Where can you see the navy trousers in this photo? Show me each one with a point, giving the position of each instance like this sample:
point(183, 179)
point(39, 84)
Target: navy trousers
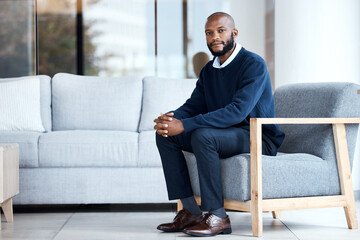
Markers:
point(208, 146)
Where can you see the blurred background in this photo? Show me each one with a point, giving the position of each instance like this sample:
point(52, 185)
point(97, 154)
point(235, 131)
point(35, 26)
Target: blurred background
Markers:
point(307, 40)
point(301, 40)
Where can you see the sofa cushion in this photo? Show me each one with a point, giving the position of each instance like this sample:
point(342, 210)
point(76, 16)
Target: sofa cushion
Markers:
point(88, 148)
point(20, 105)
point(45, 98)
point(284, 175)
point(148, 153)
point(28, 146)
point(96, 103)
point(162, 95)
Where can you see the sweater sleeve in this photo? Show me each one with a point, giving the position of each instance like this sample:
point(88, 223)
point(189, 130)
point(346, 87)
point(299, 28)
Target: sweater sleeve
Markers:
point(194, 105)
point(252, 84)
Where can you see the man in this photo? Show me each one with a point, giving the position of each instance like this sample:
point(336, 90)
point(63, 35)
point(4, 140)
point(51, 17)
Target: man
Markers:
point(214, 123)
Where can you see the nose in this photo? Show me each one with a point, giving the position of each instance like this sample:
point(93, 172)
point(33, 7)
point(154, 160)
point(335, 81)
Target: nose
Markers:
point(215, 36)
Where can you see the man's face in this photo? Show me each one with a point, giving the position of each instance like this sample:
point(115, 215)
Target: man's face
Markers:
point(219, 35)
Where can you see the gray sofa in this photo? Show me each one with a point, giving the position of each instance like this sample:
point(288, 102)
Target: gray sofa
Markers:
point(99, 144)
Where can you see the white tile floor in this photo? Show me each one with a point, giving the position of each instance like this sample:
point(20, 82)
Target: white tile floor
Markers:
point(108, 222)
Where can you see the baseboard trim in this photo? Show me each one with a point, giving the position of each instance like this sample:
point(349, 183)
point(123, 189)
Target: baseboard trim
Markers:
point(357, 194)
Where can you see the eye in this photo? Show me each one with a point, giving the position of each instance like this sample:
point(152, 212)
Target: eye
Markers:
point(208, 33)
point(221, 30)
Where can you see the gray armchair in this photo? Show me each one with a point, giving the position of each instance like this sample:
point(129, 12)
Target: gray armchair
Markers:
point(313, 166)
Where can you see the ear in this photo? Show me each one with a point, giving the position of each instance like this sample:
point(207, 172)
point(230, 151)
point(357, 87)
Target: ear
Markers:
point(235, 32)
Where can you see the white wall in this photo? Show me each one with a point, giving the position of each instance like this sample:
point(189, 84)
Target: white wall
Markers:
point(318, 41)
point(249, 17)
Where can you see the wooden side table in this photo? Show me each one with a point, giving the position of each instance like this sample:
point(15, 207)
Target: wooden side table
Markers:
point(9, 178)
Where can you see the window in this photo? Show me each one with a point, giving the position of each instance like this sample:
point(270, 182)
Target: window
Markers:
point(122, 37)
point(17, 38)
point(56, 27)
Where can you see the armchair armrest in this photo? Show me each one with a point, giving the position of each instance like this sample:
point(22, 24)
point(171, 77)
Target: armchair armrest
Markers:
point(306, 120)
point(342, 157)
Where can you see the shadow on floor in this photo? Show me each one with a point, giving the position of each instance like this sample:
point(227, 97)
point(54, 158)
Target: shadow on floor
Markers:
point(164, 207)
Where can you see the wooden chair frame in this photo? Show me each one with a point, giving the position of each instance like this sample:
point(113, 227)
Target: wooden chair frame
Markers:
point(257, 205)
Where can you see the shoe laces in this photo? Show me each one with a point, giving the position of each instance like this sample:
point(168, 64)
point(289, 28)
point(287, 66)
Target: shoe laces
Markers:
point(207, 217)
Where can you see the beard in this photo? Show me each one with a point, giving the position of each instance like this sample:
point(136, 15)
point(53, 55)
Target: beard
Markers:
point(227, 47)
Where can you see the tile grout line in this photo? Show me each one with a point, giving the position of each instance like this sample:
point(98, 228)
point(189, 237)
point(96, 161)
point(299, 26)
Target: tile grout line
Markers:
point(67, 220)
point(289, 229)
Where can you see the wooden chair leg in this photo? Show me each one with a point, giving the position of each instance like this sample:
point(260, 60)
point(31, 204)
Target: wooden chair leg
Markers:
point(179, 206)
point(8, 210)
point(276, 214)
point(256, 177)
point(198, 200)
point(256, 222)
point(350, 213)
point(343, 163)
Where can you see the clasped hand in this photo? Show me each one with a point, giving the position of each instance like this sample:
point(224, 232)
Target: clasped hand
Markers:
point(166, 125)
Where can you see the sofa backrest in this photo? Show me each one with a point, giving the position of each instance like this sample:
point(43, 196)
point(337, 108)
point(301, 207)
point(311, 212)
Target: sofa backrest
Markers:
point(162, 95)
point(45, 98)
point(96, 103)
point(317, 100)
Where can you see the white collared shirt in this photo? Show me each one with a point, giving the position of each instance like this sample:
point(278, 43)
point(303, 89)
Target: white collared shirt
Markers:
point(216, 63)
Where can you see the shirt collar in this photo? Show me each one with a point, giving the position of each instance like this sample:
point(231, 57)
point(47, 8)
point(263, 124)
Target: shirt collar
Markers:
point(216, 63)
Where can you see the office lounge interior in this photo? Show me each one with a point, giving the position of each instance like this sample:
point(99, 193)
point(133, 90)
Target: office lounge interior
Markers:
point(63, 192)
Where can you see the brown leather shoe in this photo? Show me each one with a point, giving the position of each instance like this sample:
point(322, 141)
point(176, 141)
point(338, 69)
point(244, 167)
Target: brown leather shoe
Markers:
point(183, 219)
point(211, 225)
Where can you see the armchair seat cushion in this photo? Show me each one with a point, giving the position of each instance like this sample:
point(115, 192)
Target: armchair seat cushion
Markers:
point(284, 175)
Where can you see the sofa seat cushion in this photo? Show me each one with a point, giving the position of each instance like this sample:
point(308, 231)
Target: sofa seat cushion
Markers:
point(28, 146)
point(148, 153)
point(88, 148)
point(284, 175)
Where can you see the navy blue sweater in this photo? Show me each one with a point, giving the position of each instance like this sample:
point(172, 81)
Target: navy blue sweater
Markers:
point(230, 96)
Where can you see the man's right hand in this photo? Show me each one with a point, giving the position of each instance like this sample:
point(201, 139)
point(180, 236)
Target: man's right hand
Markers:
point(161, 124)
